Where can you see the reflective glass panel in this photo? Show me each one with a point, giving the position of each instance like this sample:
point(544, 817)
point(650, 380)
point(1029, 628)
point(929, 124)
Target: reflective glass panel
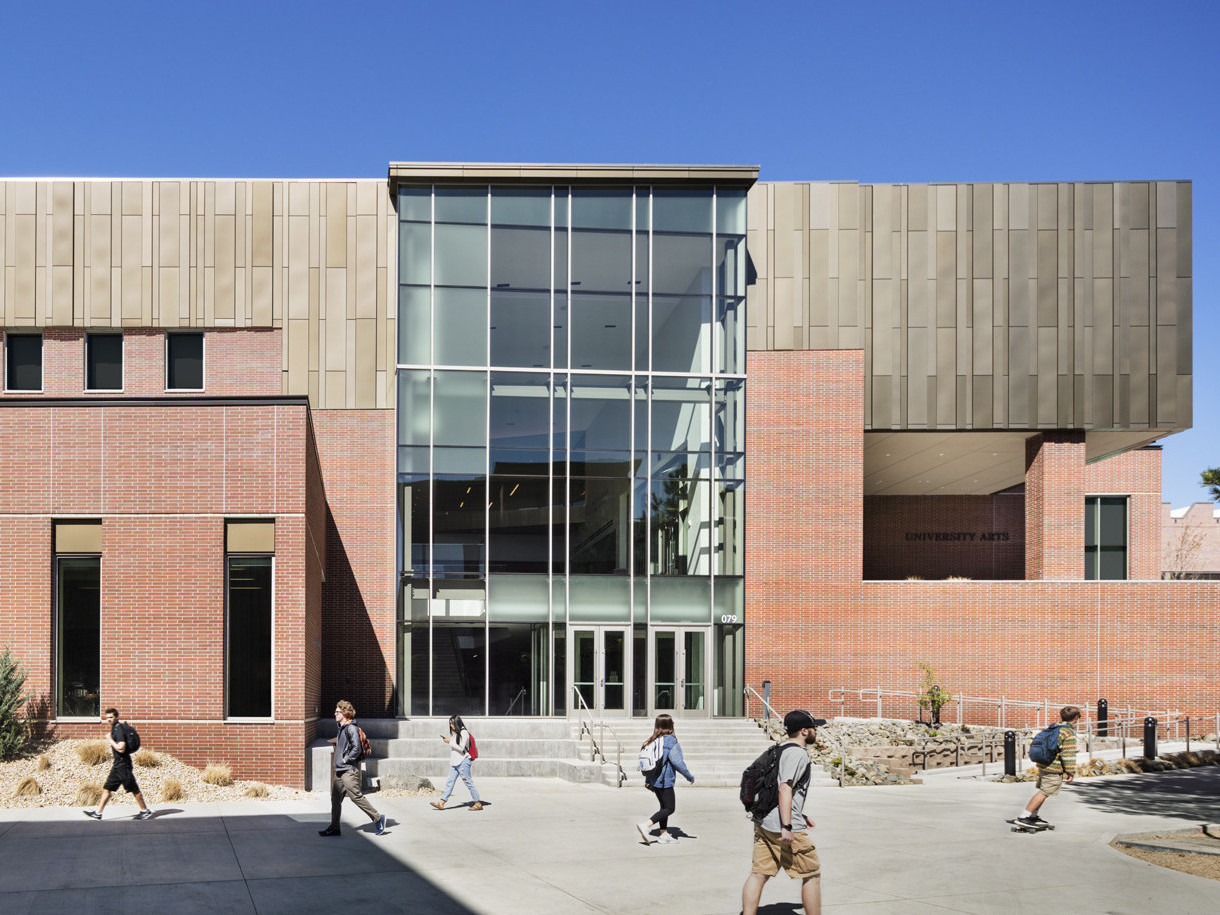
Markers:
point(584, 666)
point(461, 321)
point(665, 671)
point(414, 406)
point(730, 212)
point(682, 210)
point(601, 418)
point(526, 206)
point(681, 264)
point(600, 525)
point(694, 670)
point(23, 362)
point(78, 632)
point(601, 208)
point(414, 325)
point(461, 204)
point(521, 598)
point(415, 203)
point(520, 414)
point(601, 331)
point(681, 415)
point(459, 460)
point(730, 527)
point(458, 517)
point(248, 637)
point(730, 345)
point(520, 257)
point(681, 526)
point(681, 600)
point(461, 256)
point(415, 253)
point(459, 660)
point(517, 669)
point(415, 506)
point(460, 404)
point(601, 261)
point(520, 328)
point(614, 672)
point(681, 333)
point(519, 520)
point(730, 406)
point(104, 362)
point(731, 266)
point(599, 598)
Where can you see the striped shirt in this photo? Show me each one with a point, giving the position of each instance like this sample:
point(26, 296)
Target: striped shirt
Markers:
point(1065, 760)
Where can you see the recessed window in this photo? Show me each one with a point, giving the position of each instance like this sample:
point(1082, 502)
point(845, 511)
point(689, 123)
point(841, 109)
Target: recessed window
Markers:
point(78, 655)
point(184, 362)
point(249, 561)
point(23, 362)
point(1105, 538)
point(103, 362)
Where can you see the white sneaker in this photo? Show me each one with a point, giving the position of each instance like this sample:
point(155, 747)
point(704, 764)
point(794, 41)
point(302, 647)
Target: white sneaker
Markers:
point(667, 839)
point(645, 831)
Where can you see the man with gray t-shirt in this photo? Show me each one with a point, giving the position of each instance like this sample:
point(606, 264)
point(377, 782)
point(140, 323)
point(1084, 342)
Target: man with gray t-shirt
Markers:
point(781, 837)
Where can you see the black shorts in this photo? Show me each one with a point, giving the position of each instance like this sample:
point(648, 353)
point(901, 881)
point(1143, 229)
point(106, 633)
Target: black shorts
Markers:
point(121, 776)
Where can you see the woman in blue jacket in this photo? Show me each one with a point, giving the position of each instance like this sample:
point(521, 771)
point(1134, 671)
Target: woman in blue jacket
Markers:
point(663, 785)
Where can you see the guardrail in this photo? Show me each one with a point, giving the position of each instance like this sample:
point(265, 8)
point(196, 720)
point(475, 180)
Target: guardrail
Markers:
point(771, 712)
point(1045, 711)
point(586, 727)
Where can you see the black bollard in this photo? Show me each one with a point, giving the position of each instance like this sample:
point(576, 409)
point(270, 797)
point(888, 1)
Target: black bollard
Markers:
point(1010, 752)
point(1103, 715)
point(1149, 738)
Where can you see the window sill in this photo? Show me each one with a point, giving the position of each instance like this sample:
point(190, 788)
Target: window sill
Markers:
point(249, 721)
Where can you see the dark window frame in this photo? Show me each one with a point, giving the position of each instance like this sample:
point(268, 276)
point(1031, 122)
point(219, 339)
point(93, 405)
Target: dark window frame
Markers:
point(169, 364)
point(227, 684)
point(8, 362)
point(90, 368)
point(1093, 550)
point(61, 712)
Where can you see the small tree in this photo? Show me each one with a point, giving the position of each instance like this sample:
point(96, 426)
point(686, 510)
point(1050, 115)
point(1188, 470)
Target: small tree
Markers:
point(1183, 550)
point(14, 730)
point(1210, 480)
point(932, 696)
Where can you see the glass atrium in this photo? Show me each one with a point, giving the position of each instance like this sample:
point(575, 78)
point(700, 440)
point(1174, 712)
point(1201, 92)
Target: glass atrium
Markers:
point(571, 372)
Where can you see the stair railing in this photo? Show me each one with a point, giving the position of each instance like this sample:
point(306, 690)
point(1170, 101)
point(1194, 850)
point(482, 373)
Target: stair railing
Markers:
point(586, 727)
point(771, 713)
point(517, 698)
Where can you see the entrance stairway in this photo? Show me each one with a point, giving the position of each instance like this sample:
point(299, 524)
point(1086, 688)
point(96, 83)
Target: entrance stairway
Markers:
point(716, 750)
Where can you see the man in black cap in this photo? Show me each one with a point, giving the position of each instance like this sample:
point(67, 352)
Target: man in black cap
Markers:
point(781, 837)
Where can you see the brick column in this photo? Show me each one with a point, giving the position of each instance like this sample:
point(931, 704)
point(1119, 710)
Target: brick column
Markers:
point(1054, 506)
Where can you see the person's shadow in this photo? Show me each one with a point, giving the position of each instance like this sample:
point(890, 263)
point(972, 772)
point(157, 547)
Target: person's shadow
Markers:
point(679, 833)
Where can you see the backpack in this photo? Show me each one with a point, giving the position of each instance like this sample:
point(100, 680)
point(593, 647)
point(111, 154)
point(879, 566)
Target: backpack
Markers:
point(472, 749)
point(366, 748)
point(1045, 746)
point(132, 739)
point(759, 792)
point(652, 761)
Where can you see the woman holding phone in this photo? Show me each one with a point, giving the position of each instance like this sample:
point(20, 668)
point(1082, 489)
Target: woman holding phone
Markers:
point(459, 763)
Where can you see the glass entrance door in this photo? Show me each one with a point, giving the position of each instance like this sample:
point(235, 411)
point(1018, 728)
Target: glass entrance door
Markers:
point(599, 661)
point(679, 672)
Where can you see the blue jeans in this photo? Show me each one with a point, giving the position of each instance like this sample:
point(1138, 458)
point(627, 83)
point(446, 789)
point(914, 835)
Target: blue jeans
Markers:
point(463, 770)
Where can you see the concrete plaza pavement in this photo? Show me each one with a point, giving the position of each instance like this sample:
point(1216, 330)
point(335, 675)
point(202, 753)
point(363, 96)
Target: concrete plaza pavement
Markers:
point(549, 846)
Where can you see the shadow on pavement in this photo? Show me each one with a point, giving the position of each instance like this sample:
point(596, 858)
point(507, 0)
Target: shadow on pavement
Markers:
point(1187, 794)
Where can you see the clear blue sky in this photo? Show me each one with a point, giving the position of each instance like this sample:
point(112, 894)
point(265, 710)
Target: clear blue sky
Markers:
point(896, 91)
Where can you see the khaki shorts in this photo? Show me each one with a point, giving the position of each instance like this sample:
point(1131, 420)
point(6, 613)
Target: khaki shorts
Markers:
point(1049, 783)
point(799, 859)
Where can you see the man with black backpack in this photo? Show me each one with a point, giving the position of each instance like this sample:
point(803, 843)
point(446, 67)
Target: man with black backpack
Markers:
point(345, 781)
point(781, 837)
point(119, 736)
point(1052, 772)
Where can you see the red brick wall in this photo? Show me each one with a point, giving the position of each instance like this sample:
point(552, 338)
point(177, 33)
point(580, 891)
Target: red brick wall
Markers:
point(990, 532)
point(356, 449)
point(1054, 506)
point(162, 479)
point(237, 361)
point(813, 625)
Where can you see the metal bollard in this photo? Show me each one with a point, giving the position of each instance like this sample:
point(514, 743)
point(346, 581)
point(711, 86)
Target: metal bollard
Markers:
point(1103, 715)
point(1010, 752)
point(1149, 738)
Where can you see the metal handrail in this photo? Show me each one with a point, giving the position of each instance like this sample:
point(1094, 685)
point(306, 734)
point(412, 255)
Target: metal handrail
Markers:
point(1044, 707)
point(771, 712)
point(587, 728)
point(513, 704)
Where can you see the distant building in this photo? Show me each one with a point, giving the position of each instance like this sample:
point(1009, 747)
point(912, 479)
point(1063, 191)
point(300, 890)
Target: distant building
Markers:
point(1190, 541)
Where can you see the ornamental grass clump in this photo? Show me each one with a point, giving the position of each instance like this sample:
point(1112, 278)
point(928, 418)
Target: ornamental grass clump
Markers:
point(218, 774)
point(258, 789)
point(43, 763)
point(172, 790)
point(146, 759)
point(93, 752)
point(88, 794)
point(28, 787)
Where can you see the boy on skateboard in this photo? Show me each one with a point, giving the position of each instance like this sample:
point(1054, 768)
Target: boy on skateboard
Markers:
point(1052, 775)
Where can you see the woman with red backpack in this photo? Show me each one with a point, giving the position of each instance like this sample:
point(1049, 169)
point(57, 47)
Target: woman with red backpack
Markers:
point(462, 752)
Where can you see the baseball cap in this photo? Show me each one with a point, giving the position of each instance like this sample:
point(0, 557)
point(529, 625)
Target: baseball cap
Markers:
point(799, 718)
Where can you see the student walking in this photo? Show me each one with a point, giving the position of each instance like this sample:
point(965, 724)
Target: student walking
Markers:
point(121, 774)
point(460, 742)
point(345, 780)
point(669, 759)
point(1053, 775)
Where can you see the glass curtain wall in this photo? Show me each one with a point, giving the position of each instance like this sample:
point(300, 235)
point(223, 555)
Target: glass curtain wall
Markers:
point(570, 430)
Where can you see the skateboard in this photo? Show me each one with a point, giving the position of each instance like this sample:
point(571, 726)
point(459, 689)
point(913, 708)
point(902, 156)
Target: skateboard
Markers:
point(1019, 827)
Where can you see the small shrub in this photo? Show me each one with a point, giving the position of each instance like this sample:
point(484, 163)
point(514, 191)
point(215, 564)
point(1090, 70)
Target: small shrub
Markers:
point(172, 790)
point(93, 752)
point(1096, 767)
point(218, 774)
point(146, 759)
point(27, 787)
point(43, 763)
point(258, 789)
point(932, 696)
point(914, 578)
point(958, 578)
point(14, 729)
point(88, 794)
point(1127, 765)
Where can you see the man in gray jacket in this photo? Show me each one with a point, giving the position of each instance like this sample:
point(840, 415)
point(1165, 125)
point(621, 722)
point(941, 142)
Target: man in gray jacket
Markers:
point(345, 781)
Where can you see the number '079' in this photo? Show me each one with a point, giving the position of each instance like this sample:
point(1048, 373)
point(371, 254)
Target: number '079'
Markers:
point(728, 618)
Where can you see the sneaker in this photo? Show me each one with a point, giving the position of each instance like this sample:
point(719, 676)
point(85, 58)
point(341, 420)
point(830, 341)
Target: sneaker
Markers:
point(92, 814)
point(1039, 822)
point(329, 831)
point(381, 825)
point(144, 815)
point(1026, 822)
point(667, 839)
point(645, 831)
